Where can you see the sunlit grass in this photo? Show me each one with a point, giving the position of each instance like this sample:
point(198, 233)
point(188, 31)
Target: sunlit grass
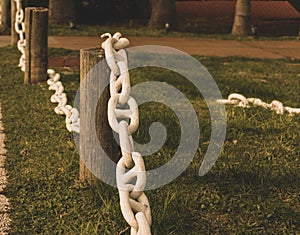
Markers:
point(253, 188)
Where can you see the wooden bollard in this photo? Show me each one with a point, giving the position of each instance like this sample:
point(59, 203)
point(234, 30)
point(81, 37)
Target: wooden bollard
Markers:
point(14, 36)
point(5, 15)
point(36, 51)
point(94, 89)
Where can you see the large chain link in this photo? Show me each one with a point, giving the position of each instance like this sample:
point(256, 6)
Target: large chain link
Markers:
point(121, 108)
point(242, 101)
point(20, 29)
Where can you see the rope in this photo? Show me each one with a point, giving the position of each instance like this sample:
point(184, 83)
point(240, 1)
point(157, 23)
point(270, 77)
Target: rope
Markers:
point(241, 101)
point(72, 114)
point(130, 168)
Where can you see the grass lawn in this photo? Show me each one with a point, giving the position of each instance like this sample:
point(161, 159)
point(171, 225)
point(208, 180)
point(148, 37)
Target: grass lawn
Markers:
point(253, 188)
point(93, 30)
point(143, 31)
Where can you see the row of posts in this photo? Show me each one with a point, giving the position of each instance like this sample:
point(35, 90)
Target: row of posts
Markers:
point(36, 52)
point(36, 31)
point(7, 17)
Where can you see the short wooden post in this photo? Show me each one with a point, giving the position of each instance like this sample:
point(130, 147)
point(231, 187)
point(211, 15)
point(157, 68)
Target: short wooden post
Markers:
point(36, 51)
point(93, 80)
point(5, 15)
point(14, 35)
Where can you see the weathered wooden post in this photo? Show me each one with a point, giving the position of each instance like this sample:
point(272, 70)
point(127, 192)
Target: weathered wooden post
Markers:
point(94, 89)
point(5, 16)
point(14, 35)
point(36, 51)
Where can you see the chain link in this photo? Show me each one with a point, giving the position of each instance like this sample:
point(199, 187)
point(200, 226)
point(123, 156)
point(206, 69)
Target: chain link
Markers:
point(1, 14)
point(122, 107)
point(72, 114)
point(242, 101)
point(20, 29)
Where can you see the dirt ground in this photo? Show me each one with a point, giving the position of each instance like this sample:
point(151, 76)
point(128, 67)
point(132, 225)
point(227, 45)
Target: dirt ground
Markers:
point(193, 46)
point(197, 46)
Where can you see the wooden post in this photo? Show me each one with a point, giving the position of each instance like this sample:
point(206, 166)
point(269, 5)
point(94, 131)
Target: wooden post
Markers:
point(94, 89)
point(14, 35)
point(5, 15)
point(36, 51)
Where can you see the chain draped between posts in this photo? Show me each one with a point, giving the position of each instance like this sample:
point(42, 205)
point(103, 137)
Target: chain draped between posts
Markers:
point(72, 114)
point(242, 101)
point(130, 172)
point(133, 201)
point(121, 106)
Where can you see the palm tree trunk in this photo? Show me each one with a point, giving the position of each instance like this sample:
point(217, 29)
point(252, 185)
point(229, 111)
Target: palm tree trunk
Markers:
point(242, 19)
point(61, 11)
point(163, 14)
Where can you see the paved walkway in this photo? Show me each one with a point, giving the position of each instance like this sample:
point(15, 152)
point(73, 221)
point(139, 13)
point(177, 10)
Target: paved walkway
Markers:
point(4, 203)
point(194, 46)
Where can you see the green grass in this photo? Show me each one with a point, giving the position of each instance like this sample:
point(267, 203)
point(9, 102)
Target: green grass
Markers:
point(253, 188)
point(97, 30)
point(143, 31)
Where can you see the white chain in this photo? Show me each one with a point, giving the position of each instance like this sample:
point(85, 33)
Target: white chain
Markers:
point(242, 101)
point(72, 114)
point(20, 29)
point(1, 14)
point(133, 201)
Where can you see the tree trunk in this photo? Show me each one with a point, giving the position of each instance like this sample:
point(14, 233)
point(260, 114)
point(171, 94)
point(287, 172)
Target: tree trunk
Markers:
point(242, 19)
point(61, 11)
point(5, 14)
point(163, 15)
